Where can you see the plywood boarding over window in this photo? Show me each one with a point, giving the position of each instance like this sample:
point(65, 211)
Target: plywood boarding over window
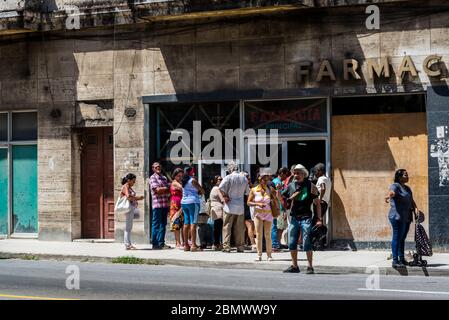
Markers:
point(366, 151)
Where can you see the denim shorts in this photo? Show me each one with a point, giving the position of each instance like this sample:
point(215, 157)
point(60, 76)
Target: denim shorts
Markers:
point(190, 212)
point(305, 225)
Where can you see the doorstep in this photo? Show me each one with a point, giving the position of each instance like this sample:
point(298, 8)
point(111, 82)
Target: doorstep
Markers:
point(94, 240)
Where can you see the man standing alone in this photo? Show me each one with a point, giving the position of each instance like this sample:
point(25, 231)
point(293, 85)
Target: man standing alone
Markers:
point(233, 187)
point(160, 194)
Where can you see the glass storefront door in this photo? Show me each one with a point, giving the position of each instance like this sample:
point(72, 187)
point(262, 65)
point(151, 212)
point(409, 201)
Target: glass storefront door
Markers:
point(206, 173)
point(18, 173)
point(24, 202)
point(290, 151)
point(4, 191)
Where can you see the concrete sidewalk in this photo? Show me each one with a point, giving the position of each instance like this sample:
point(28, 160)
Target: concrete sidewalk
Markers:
point(336, 262)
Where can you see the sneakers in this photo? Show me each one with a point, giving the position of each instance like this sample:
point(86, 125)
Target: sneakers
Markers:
point(253, 249)
point(291, 269)
point(269, 259)
point(259, 258)
point(310, 270)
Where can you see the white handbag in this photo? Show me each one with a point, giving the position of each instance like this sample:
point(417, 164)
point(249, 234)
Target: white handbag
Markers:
point(123, 205)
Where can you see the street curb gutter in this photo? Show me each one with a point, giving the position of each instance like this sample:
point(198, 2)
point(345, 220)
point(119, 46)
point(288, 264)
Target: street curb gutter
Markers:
point(410, 271)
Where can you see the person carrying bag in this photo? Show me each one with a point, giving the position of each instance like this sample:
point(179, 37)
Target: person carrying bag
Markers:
point(127, 205)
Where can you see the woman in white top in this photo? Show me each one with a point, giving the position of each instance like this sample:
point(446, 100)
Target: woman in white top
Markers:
point(216, 201)
point(127, 191)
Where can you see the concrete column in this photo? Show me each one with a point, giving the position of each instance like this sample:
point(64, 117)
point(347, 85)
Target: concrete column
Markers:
point(438, 129)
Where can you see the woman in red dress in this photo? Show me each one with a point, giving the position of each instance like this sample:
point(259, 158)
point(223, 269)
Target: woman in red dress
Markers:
point(176, 218)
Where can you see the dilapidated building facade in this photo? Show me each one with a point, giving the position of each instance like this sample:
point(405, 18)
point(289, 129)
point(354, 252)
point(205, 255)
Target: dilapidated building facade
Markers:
point(91, 90)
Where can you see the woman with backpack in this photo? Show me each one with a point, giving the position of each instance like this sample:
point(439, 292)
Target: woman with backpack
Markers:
point(400, 215)
point(127, 191)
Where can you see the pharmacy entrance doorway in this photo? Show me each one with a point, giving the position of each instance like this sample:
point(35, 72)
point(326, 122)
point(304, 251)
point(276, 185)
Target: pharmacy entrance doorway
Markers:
point(287, 152)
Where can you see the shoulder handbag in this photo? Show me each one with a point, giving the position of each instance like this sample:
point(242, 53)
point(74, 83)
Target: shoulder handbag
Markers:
point(123, 205)
point(275, 205)
point(208, 207)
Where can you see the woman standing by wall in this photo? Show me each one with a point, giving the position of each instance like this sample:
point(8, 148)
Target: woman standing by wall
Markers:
point(176, 217)
point(190, 205)
point(260, 198)
point(217, 200)
point(127, 191)
point(402, 204)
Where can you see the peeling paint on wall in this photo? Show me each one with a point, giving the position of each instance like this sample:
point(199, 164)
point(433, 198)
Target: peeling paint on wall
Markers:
point(51, 164)
point(440, 150)
point(132, 160)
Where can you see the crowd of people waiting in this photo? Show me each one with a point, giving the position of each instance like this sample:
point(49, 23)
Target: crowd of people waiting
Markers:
point(259, 212)
point(242, 212)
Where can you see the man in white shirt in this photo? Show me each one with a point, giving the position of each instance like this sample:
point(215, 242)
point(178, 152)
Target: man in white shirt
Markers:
point(233, 187)
point(324, 186)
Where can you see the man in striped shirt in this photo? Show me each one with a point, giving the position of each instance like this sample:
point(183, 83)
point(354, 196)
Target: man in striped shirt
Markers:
point(160, 195)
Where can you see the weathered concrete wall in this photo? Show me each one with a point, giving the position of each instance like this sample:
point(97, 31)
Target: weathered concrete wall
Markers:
point(48, 73)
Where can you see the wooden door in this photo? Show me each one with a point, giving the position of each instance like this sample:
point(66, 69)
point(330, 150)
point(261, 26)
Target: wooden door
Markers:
point(108, 184)
point(97, 183)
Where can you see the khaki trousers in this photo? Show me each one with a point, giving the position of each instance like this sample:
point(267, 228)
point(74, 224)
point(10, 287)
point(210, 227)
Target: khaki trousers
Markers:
point(263, 228)
point(233, 225)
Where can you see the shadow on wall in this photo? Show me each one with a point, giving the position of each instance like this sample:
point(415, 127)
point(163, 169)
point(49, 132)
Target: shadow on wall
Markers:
point(366, 151)
point(341, 227)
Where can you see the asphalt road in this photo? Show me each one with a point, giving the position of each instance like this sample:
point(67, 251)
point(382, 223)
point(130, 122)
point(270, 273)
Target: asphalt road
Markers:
point(21, 279)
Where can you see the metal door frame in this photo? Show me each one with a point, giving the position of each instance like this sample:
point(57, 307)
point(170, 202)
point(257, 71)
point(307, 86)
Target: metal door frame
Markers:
point(9, 144)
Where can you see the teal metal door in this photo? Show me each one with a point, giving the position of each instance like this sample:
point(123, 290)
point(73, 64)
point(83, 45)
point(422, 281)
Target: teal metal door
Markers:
point(4, 191)
point(24, 189)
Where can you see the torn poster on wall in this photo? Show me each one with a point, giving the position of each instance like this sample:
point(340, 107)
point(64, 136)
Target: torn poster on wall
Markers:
point(440, 150)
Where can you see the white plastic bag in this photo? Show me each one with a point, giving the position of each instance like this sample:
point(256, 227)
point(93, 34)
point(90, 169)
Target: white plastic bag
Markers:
point(123, 205)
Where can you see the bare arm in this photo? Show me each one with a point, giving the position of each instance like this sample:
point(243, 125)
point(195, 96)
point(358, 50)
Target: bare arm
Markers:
point(162, 190)
point(323, 191)
point(415, 207)
point(176, 185)
point(156, 189)
point(220, 195)
point(250, 202)
point(125, 192)
point(317, 203)
point(390, 195)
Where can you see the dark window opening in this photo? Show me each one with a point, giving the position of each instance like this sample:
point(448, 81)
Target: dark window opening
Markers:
point(379, 104)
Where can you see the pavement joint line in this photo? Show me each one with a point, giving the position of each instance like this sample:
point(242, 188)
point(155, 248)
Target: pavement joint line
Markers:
point(405, 291)
point(11, 296)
